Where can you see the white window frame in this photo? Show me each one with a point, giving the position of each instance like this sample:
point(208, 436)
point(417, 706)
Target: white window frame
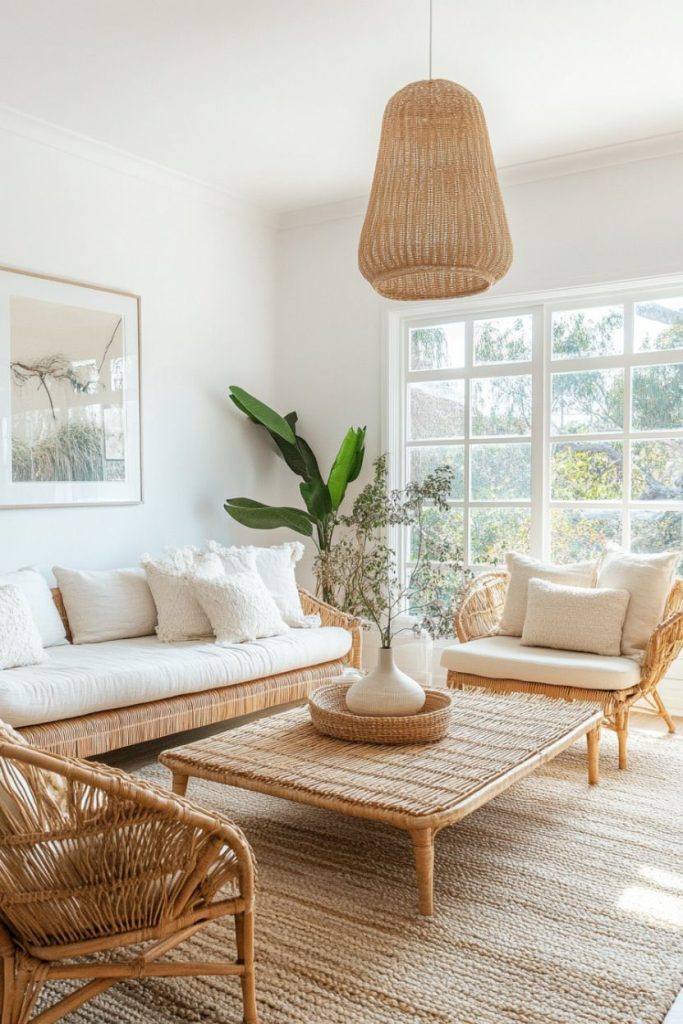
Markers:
point(400, 319)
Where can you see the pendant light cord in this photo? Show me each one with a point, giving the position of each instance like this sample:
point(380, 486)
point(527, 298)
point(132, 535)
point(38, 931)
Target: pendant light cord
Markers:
point(430, 39)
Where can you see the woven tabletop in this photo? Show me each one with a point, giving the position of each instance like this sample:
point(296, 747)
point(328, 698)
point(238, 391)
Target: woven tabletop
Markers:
point(492, 741)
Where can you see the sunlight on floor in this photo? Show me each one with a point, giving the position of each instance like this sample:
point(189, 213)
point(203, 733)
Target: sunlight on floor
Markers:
point(654, 905)
point(665, 879)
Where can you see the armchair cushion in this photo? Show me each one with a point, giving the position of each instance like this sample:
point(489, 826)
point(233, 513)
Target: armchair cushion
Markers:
point(522, 568)
point(504, 657)
point(648, 579)
point(574, 618)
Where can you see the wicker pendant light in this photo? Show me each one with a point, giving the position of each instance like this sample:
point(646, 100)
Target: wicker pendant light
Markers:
point(435, 226)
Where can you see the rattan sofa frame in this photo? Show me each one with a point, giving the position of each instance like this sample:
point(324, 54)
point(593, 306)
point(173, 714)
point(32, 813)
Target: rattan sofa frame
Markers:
point(480, 611)
point(101, 731)
point(113, 863)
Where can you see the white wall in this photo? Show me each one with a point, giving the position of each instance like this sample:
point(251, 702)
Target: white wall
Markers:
point(204, 271)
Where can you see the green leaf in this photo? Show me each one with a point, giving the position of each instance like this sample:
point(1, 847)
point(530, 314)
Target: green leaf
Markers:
point(261, 413)
point(347, 465)
point(360, 454)
point(268, 517)
point(317, 498)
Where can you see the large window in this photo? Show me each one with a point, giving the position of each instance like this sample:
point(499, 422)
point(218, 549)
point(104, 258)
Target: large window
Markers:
point(561, 417)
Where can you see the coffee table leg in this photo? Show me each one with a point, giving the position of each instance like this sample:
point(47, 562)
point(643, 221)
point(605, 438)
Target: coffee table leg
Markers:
point(423, 849)
point(593, 743)
point(179, 783)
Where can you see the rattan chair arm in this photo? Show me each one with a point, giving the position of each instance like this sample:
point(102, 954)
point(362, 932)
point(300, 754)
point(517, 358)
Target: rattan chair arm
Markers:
point(148, 795)
point(481, 606)
point(664, 646)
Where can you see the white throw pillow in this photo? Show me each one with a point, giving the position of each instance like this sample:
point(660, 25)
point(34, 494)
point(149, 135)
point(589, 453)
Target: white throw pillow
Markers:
point(43, 608)
point(238, 607)
point(574, 618)
point(276, 567)
point(180, 614)
point(20, 642)
point(111, 604)
point(522, 568)
point(648, 579)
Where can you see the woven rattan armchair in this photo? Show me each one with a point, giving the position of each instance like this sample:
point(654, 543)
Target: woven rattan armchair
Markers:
point(92, 860)
point(480, 612)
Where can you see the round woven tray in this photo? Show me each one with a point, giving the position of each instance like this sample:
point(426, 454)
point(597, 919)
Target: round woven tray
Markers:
point(329, 714)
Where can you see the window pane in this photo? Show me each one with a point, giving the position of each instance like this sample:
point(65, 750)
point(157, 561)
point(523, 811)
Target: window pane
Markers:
point(442, 537)
point(588, 402)
point(577, 533)
point(437, 348)
point(657, 531)
point(500, 472)
point(658, 325)
point(658, 397)
point(507, 339)
point(501, 405)
point(657, 470)
point(437, 409)
point(588, 332)
point(493, 531)
point(423, 461)
point(587, 471)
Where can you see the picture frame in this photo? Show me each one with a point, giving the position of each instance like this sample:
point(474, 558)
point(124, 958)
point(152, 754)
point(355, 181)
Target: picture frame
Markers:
point(70, 417)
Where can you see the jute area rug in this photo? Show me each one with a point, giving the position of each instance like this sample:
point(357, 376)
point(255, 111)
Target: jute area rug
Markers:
point(555, 904)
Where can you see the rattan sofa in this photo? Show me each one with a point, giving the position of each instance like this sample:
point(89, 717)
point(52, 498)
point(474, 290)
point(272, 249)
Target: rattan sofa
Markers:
point(114, 727)
point(478, 616)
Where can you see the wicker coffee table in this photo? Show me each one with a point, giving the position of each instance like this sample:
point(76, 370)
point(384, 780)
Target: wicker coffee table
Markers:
point(492, 742)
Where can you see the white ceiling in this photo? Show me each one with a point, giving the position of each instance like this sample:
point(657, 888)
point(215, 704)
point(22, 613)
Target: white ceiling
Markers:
point(280, 101)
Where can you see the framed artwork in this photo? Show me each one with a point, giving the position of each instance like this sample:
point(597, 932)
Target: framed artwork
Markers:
point(69, 393)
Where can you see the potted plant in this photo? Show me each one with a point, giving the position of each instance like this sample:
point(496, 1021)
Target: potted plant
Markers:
point(322, 498)
point(360, 571)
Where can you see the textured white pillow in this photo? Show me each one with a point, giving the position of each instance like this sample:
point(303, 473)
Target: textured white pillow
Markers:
point(522, 568)
point(44, 611)
point(648, 579)
point(20, 642)
point(180, 615)
point(276, 567)
point(574, 618)
point(238, 607)
point(111, 604)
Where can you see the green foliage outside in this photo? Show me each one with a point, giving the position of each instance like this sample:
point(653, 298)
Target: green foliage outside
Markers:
point(582, 403)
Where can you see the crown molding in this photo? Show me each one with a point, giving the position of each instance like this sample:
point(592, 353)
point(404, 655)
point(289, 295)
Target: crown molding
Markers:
point(44, 133)
point(637, 150)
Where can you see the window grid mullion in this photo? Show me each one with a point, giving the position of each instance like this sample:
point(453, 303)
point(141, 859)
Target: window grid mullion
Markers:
point(541, 368)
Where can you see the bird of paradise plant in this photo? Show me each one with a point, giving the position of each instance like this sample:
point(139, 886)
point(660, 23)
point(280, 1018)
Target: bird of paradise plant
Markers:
point(322, 497)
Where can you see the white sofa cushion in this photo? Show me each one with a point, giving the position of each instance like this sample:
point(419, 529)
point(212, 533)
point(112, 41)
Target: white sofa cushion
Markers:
point(110, 604)
point(20, 642)
point(239, 608)
point(181, 617)
point(574, 618)
point(43, 609)
point(276, 566)
point(522, 568)
point(504, 657)
point(648, 579)
point(81, 679)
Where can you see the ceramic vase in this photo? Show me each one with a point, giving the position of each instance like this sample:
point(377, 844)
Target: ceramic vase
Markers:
point(386, 690)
